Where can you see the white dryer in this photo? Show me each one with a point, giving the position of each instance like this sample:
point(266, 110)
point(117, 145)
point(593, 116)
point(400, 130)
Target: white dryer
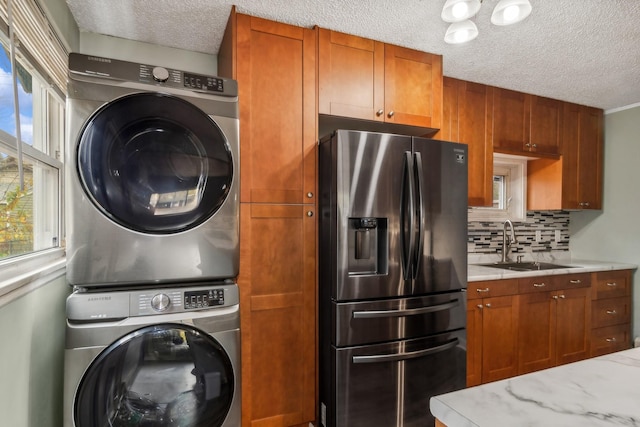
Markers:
point(156, 357)
point(152, 174)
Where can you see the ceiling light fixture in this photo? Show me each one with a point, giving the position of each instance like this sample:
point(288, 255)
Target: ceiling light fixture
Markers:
point(462, 30)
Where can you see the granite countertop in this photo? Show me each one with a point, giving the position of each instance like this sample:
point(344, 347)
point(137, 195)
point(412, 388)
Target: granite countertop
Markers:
point(477, 272)
point(603, 391)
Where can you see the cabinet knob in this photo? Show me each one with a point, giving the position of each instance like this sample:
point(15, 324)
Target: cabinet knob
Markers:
point(488, 305)
point(576, 281)
point(391, 113)
point(613, 339)
point(555, 297)
point(612, 312)
point(612, 284)
point(527, 145)
point(480, 306)
point(309, 213)
point(539, 285)
point(562, 296)
point(379, 112)
point(482, 290)
point(310, 195)
point(535, 145)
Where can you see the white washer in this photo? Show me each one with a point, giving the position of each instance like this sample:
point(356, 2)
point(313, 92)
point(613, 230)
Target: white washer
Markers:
point(152, 174)
point(167, 357)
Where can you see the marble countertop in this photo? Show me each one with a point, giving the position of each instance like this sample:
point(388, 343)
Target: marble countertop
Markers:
point(599, 392)
point(477, 272)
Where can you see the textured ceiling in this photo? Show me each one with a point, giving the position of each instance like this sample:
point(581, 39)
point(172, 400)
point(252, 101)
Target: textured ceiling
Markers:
point(583, 51)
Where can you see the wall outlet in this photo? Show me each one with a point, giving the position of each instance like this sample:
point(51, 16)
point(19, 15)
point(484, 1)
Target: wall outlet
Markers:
point(538, 236)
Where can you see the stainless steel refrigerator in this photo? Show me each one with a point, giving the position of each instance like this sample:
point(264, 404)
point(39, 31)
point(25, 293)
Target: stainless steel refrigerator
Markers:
point(393, 277)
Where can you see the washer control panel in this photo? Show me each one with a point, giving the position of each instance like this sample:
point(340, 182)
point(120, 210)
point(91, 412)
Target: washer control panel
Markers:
point(86, 305)
point(203, 298)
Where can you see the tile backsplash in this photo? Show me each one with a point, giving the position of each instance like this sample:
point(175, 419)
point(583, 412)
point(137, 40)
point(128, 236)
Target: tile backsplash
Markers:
point(552, 228)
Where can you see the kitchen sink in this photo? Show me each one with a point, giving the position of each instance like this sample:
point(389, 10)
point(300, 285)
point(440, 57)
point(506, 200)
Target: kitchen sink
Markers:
point(525, 266)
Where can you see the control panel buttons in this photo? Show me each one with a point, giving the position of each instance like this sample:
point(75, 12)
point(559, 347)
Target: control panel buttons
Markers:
point(160, 302)
point(160, 74)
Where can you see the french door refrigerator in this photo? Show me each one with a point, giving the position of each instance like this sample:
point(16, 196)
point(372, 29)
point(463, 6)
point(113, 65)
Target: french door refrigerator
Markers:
point(393, 277)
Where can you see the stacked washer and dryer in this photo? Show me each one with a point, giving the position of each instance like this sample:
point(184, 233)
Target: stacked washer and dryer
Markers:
point(153, 327)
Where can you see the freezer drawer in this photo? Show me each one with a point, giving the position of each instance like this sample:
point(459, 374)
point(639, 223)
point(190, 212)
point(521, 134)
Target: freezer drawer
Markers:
point(390, 384)
point(377, 321)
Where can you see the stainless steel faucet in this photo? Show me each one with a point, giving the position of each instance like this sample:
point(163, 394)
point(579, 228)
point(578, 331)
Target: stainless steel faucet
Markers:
point(506, 243)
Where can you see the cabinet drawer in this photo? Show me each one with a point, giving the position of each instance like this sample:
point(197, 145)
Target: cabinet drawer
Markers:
point(536, 284)
point(612, 311)
point(492, 288)
point(611, 284)
point(610, 339)
point(570, 281)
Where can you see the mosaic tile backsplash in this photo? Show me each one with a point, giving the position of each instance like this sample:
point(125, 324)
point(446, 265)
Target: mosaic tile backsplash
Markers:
point(553, 228)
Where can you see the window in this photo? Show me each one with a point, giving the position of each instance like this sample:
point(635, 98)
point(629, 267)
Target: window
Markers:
point(509, 191)
point(30, 144)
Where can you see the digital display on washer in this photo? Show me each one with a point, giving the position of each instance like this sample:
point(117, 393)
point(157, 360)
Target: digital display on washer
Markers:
point(196, 81)
point(204, 298)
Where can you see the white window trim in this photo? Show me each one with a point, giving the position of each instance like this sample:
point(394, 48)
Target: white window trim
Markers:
point(517, 205)
point(21, 274)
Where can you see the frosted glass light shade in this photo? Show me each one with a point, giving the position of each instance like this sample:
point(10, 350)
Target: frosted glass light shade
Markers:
point(459, 10)
point(461, 32)
point(509, 12)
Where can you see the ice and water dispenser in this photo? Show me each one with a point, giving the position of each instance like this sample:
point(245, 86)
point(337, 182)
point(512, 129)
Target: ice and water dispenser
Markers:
point(368, 246)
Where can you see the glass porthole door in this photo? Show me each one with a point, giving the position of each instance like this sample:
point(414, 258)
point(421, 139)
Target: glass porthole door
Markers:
point(154, 163)
point(159, 376)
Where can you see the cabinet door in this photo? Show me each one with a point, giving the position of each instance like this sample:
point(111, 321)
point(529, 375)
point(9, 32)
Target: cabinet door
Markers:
point(474, 118)
point(510, 120)
point(545, 128)
point(537, 332)
point(413, 87)
point(276, 80)
point(499, 338)
point(573, 324)
point(350, 76)
point(581, 157)
point(277, 291)
point(449, 129)
point(474, 343)
point(590, 159)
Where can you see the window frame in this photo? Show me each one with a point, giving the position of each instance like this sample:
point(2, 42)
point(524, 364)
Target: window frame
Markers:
point(516, 195)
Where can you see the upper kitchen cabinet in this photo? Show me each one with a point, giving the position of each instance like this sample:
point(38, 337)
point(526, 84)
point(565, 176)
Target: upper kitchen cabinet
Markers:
point(525, 124)
point(575, 182)
point(365, 79)
point(275, 66)
point(466, 119)
point(582, 157)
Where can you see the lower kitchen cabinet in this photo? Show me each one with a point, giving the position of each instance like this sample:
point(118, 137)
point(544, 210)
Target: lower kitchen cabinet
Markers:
point(554, 325)
point(491, 331)
point(611, 312)
point(278, 316)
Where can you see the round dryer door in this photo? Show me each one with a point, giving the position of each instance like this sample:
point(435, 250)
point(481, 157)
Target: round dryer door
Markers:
point(162, 375)
point(154, 163)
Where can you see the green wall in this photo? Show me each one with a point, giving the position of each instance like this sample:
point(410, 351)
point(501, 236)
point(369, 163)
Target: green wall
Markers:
point(613, 234)
point(32, 330)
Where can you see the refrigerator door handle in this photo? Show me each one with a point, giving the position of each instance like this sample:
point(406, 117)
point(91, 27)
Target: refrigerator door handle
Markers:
point(419, 194)
point(385, 358)
point(407, 212)
point(372, 314)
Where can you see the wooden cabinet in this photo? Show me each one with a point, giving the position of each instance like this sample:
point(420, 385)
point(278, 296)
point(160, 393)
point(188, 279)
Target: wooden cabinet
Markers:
point(365, 79)
point(575, 182)
point(275, 65)
point(491, 331)
point(554, 321)
point(582, 153)
point(525, 124)
point(611, 312)
point(466, 119)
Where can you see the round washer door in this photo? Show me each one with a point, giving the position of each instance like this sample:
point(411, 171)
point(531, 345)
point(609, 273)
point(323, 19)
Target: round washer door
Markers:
point(159, 376)
point(154, 163)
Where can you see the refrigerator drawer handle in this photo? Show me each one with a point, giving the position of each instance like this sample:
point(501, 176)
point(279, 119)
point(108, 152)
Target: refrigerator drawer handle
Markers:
point(372, 314)
point(378, 358)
